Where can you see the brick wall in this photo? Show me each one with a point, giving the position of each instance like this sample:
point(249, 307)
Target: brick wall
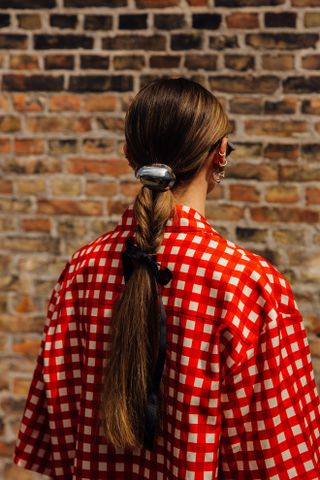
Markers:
point(69, 71)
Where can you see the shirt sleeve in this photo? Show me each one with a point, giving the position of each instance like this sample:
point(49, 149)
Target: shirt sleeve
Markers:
point(34, 449)
point(270, 406)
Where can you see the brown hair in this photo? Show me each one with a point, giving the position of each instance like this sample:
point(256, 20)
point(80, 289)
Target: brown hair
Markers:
point(173, 121)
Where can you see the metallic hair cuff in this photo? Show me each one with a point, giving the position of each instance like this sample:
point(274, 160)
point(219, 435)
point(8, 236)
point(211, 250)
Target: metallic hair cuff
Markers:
point(157, 176)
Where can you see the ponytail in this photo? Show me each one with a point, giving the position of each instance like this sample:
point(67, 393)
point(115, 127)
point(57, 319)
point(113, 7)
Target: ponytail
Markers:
point(135, 332)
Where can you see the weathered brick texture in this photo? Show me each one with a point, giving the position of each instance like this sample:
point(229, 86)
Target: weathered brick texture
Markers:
point(69, 69)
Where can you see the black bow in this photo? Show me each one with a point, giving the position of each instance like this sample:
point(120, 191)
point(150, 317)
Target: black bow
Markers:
point(163, 276)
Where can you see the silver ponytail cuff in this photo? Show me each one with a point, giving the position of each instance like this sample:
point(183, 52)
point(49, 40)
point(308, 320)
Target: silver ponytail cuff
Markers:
point(157, 176)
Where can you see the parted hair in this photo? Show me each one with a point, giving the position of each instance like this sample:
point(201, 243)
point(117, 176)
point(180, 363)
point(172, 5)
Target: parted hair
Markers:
point(173, 121)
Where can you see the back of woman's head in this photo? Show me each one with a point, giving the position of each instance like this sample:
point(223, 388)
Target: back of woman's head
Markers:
point(175, 122)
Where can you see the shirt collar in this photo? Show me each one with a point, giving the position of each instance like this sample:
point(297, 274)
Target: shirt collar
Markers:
point(185, 219)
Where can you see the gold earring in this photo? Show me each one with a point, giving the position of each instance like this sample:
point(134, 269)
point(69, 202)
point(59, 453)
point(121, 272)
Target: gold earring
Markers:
point(223, 164)
point(226, 161)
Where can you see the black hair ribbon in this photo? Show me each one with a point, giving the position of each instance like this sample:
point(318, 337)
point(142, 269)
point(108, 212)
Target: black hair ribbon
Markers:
point(162, 276)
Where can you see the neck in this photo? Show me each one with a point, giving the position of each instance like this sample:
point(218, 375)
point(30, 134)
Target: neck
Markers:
point(194, 196)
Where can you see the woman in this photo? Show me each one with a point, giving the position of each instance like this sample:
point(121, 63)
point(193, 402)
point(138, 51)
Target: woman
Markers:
point(170, 352)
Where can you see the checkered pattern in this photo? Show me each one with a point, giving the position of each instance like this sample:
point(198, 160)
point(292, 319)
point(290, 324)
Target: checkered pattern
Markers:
point(241, 398)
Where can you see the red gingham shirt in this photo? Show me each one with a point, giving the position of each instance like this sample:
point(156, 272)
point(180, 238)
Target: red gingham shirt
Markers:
point(241, 398)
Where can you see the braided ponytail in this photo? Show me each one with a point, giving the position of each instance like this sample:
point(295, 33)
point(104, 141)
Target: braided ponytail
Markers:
point(152, 210)
point(173, 122)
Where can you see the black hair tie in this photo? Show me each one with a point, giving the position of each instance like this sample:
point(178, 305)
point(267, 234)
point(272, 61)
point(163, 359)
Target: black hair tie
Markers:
point(163, 276)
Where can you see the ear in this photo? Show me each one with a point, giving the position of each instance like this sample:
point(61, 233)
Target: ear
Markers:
point(219, 154)
point(223, 145)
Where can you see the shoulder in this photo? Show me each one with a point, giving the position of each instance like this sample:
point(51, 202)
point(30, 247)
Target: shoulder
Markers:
point(269, 277)
point(91, 255)
point(253, 290)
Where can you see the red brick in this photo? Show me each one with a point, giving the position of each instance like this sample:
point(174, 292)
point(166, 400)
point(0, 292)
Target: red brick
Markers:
point(288, 237)
point(95, 103)
point(10, 124)
point(164, 61)
point(66, 187)
point(247, 84)
point(18, 82)
point(206, 62)
point(20, 386)
point(58, 124)
point(281, 214)
point(104, 189)
point(287, 105)
point(63, 146)
point(283, 41)
point(7, 224)
point(73, 227)
point(20, 243)
point(130, 189)
point(246, 105)
point(4, 103)
point(130, 62)
point(98, 145)
point(311, 62)
point(15, 206)
point(244, 193)
point(254, 171)
point(135, 42)
point(105, 166)
point(14, 41)
point(278, 62)
point(239, 62)
point(60, 103)
point(313, 195)
point(7, 448)
point(31, 185)
point(59, 62)
point(282, 194)
point(6, 186)
point(116, 207)
point(5, 145)
point(312, 19)
point(29, 146)
point(29, 22)
point(276, 151)
point(21, 165)
point(242, 20)
point(299, 173)
point(28, 345)
point(25, 305)
point(310, 84)
point(24, 62)
point(114, 124)
point(26, 102)
point(275, 128)
point(36, 224)
point(69, 207)
point(217, 192)
point(224, 212)
point(248, 150)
